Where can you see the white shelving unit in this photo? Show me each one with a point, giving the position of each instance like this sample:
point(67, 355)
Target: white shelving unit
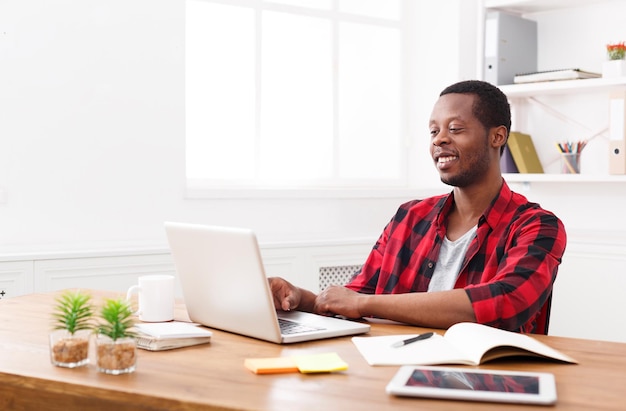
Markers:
point(574, 88)
point(520, 93)
point(535, 6)
point(562, 178)
point(593, 85)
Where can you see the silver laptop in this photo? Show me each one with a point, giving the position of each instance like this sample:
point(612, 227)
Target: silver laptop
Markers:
point(225, 287)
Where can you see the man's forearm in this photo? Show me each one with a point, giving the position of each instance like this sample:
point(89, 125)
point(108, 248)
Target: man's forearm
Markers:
point(435, 309)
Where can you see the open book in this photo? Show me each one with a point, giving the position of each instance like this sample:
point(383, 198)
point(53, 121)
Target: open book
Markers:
point(170, 335)
point(463, 343)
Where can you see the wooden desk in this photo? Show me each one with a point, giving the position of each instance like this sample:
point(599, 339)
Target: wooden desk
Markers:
point(212, 376)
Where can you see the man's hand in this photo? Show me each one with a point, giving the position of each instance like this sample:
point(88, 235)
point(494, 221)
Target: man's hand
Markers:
point(286, 296)
point(337, 300)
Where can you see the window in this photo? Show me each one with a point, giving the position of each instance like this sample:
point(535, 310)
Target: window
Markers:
point(295, 93)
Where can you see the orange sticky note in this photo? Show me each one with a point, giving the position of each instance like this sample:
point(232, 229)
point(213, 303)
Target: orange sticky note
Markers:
point(271, 365)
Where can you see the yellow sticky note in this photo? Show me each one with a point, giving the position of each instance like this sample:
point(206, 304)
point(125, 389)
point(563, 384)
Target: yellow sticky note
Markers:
point(271, 365)
point(327, 362)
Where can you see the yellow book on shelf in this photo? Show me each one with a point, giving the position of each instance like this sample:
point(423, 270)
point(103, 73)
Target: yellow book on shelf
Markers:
point(524, 154)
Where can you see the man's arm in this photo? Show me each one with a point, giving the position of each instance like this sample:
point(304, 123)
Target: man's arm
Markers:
point(435, 309)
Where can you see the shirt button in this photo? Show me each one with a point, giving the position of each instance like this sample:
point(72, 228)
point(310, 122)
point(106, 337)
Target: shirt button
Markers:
point(430, 265)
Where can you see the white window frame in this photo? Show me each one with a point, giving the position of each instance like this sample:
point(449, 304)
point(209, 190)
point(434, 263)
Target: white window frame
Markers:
point(198, 189)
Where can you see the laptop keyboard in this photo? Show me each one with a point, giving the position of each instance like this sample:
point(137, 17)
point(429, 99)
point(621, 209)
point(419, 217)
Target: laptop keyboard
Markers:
point(292, 327)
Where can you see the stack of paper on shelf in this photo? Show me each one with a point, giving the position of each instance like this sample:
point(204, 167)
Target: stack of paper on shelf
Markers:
point(553, 75)
point(170, 335)
point(524, 153)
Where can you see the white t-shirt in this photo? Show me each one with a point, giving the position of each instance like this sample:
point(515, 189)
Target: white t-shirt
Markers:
point(449, 263)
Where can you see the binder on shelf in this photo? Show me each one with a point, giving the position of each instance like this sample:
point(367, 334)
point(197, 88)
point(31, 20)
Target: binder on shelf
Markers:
point(507, 164)
point(617, 133)
point(524, 153)
point(510, 47)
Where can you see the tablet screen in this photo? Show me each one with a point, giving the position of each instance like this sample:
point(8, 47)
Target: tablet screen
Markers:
point(460, 380)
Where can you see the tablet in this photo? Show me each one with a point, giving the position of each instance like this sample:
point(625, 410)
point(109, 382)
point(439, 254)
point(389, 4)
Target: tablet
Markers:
point(473, 384)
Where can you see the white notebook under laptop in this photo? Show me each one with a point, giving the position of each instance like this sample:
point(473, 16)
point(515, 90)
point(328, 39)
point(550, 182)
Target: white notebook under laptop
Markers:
point(225, 287)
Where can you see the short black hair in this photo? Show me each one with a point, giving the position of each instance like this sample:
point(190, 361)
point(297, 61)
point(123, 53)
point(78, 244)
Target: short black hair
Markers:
point(491, 107)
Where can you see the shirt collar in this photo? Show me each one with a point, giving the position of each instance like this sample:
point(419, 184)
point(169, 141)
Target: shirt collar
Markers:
point(492, 214)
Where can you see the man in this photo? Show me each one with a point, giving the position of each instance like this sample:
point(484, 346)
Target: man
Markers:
point(481, 253)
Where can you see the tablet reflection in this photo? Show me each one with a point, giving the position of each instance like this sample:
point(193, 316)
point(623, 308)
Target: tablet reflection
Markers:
point(474, 381)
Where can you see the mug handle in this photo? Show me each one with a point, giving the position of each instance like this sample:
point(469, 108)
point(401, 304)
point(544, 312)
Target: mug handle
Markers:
point(129, 293)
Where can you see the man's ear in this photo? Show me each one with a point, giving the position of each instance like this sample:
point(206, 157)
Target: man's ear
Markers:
point(498, 136)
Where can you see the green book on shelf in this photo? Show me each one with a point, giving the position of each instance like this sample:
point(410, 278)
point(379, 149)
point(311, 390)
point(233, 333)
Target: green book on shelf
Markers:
point(523, 152)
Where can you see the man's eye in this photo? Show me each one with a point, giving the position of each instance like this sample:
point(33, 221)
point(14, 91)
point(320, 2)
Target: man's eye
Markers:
point(433, 132)
point(455, 130)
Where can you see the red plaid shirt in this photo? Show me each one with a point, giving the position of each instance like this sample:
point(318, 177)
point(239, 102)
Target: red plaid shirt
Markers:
point(507, 272)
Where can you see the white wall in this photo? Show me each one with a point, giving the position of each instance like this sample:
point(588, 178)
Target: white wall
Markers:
point(92, 129)
point(92, 125)
point(92, 119)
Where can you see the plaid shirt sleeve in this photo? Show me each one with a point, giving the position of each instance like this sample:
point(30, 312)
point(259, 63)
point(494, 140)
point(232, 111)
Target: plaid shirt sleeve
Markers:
point(508, 270)
point(509, 276)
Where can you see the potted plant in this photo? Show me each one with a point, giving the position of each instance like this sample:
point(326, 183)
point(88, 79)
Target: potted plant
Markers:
point(116, 350)
point(616, 51)
point(69, 342)
point(615, 66)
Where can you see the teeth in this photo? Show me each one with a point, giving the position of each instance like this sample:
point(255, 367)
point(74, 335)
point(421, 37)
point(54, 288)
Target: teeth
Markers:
point(446, 159)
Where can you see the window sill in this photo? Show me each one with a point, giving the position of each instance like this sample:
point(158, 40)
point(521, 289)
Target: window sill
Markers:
point(310, 193)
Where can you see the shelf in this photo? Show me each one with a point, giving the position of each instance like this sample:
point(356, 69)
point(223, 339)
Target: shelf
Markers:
point(533, 99)
point(562, 178)
point(534, 6)
point(592, 85)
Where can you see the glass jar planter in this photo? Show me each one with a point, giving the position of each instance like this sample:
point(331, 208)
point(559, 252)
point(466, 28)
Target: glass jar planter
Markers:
point(69, 350)
point(116, 356)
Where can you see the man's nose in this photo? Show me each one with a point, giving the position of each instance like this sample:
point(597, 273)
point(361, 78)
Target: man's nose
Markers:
point(442, 137)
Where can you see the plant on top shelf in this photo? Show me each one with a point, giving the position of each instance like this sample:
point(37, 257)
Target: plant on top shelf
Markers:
point(72, 322)
point(616, 51)
point(116, 345)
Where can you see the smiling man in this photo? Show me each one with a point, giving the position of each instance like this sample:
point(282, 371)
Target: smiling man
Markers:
point(481, 253)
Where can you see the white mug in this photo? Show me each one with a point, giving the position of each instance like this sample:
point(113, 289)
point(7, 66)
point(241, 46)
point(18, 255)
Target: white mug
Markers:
point(156, 297)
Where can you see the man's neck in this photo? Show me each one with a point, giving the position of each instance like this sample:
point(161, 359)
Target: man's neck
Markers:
point(469, 204)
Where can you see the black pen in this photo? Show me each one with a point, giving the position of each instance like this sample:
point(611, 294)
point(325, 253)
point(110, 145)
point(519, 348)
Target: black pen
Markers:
point(412, 340)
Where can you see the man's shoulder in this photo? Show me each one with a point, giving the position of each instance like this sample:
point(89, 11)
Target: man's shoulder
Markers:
point(524, 213)
point(519, 203)
point(421, 208)
point(425, 202)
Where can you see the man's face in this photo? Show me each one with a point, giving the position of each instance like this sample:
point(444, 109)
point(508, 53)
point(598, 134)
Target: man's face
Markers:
point(459, 143)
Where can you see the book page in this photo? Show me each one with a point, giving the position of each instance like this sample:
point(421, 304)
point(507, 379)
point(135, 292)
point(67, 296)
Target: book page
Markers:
point(172, 329)
point(432, 351)
point(483, 343)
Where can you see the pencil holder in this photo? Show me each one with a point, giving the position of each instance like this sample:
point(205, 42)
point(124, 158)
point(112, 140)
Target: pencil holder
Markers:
point(570, 163)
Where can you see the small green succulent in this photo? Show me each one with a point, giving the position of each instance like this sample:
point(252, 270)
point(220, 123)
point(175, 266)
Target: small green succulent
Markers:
point(117, 321)
point(73, 312)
